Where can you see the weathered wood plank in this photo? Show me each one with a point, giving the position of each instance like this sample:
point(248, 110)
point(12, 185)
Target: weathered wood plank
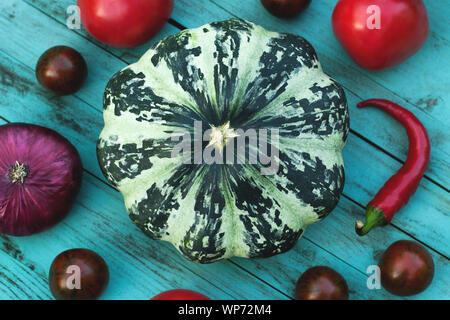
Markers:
point(17, 280)
point(92, 203)
point(86, 223)
point(362, 187)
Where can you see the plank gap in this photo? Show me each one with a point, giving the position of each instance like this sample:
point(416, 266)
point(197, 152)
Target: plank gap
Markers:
point(257, 277)
point(176, 24)
point(332, 254)
point(364, 139)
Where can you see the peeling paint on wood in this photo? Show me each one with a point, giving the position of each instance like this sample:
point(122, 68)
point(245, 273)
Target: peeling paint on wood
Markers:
point(140, 267)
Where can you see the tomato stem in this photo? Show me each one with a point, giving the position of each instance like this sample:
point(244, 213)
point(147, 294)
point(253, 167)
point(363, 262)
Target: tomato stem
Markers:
point(374, 218)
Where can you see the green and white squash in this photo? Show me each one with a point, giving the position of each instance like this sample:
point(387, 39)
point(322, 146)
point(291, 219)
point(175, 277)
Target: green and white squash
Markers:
point(228, 75)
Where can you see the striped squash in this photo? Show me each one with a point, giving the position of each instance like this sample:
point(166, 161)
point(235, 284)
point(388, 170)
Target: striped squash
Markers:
point(225, 76)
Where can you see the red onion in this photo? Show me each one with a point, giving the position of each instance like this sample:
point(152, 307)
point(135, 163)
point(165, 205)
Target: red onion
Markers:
point(40, 177)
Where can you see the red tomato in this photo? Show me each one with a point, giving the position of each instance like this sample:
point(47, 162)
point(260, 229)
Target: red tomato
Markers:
point(124, 23)
point(379, 34)
point(180, 294)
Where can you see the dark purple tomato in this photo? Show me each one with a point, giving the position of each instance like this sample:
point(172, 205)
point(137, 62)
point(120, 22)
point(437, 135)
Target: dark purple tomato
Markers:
point(285, 8)
point(78, 274)
point(406, 268)
point(62, 70)
point(321, 283)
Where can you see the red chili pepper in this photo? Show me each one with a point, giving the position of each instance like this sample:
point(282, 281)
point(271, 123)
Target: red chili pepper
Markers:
point(400, 187)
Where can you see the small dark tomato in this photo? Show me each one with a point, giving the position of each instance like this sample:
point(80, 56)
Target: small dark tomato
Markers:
point(78, 274)
point(321, 283)
point(62, 70)
point(406, 268)
point(285, 8)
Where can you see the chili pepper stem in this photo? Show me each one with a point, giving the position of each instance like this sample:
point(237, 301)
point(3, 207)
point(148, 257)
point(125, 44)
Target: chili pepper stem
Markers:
point(374, 218)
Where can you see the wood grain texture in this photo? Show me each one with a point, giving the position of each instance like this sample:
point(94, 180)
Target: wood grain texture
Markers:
point(363, 187)
point(99, 221)
point(314, 254)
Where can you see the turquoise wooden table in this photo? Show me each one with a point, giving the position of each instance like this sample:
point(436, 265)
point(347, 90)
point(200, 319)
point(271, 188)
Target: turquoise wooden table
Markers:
point(140, 267)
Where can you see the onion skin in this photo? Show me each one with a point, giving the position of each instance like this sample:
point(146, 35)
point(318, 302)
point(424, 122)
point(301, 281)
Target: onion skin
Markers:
point(50, 185)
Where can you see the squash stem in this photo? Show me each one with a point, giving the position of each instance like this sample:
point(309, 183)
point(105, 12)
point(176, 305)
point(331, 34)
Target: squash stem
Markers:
point(221, 135)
